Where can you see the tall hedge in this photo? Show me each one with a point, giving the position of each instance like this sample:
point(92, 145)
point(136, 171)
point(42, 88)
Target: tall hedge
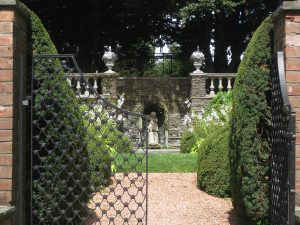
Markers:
point(250, 130)
point(59, 146)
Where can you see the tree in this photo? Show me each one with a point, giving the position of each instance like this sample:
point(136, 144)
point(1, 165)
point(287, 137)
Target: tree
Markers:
point(84, 27)
point(225, 25)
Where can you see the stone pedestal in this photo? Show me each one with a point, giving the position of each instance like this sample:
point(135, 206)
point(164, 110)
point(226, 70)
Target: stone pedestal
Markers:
point(198, 92)
point(109, 86)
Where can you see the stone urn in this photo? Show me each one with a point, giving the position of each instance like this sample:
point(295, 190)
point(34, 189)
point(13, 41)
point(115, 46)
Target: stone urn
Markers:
point(109, 59)
point(198, 58)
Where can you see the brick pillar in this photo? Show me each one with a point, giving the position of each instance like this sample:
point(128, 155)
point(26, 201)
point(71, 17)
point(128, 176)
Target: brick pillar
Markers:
point(287, 39)
point(13, 42)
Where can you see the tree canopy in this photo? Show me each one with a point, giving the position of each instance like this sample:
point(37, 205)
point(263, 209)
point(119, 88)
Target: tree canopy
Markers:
point(84, 27)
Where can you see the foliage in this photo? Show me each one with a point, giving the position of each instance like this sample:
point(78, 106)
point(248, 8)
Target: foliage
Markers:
point(104, 141)
point(118, 23)
point(250, 130)
point(220, 107)
point(213, 164)
point(131, 25)
point(230, 26)
point(187, 142)
point(214, 117)
point(168, 68)
point(57, 127)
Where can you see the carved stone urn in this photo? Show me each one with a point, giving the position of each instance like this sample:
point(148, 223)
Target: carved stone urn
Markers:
point(198, 58)
point(109, 59)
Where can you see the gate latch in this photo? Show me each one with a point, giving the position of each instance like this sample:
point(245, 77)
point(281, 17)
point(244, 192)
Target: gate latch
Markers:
point(25, 102)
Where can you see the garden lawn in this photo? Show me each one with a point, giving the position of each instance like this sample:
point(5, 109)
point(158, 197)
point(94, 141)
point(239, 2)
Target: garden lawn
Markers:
point(157, 162)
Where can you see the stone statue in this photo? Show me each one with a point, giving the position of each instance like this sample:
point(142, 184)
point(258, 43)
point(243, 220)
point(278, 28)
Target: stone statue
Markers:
point(187, 120)
point(153, 130)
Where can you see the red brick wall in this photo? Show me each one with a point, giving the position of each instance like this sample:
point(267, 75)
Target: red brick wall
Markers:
point(287, 39)
point(13, 35)
point(6, 104)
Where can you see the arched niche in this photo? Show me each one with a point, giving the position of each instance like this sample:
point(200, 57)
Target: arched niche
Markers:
point(159, 109)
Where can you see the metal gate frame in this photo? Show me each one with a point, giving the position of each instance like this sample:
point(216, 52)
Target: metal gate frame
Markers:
point(42, 151)
point(282, 196)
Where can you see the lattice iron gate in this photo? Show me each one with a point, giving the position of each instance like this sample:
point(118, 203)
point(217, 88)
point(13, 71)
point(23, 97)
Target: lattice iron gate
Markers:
point(282, 210)
point(89, 157)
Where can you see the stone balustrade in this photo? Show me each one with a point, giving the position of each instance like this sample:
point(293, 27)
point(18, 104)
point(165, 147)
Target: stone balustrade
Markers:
point(100, 83)
point(75, 81)
point(219, 82)
point(106, 85)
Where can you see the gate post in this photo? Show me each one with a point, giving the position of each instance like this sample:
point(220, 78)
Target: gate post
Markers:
point(13, 42)
point(287, 39)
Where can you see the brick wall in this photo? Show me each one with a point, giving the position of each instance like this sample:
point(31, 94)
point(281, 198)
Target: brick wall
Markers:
point(287, 39)
point(13, 39)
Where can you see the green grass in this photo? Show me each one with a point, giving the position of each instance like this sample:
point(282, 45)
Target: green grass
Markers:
point(157, 163)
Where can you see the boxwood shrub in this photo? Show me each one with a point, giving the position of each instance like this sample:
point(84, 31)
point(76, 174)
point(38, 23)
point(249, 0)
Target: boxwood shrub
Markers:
point(250, 130)
point(213, 164)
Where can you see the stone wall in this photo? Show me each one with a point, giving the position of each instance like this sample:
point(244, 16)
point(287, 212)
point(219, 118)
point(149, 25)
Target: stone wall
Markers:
point(287, 39)
point(169, 93)
point(13, 41)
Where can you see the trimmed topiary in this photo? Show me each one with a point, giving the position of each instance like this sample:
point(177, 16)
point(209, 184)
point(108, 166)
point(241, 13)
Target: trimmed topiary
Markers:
point(58, 132)
point(213, 164)
point(250, 130)
point(61, 175)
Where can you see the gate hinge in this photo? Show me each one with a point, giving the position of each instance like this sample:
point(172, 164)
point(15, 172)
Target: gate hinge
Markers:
point(25, 102)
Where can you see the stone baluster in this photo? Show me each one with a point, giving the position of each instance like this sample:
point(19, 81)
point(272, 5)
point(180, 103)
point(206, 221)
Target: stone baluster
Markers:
point(95, 84)
point(220, 84)
point(229, 87)
point(212, 87)
point(69, 80)
point(78, 87)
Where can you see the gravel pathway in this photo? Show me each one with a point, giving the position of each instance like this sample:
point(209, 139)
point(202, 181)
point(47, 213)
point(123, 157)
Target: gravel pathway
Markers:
point(174, 199)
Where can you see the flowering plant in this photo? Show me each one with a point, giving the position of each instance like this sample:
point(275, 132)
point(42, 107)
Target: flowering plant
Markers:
point(215, 116)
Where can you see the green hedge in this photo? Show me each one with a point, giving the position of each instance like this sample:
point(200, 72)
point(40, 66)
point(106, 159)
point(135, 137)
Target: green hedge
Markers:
point(58, 140)
point(213, 164)
point(61, 138)
point(188, 140)
point(250, 130)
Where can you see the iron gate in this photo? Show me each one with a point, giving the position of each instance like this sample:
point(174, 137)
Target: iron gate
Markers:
point(89, 157)
point(282, 209)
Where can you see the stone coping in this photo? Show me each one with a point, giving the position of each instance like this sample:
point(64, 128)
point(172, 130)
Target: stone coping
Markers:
point(6, 211)
point(154, 78)
point(286, 6)
point(15, 4)
point(221, 75)
point(8, 2)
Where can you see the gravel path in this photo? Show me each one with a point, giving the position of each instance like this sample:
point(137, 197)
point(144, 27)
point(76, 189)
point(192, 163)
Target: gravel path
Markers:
point(174, 199)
